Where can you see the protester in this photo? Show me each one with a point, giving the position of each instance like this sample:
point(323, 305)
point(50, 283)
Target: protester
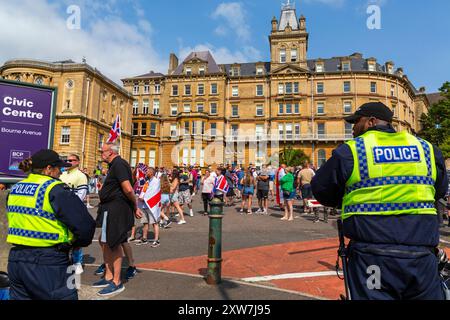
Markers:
point(78, 183)
point(184, 190)
point(279, 193)
point(165, 201)
point(240, 174)
point(115, 215)
point(287, 187)
point(220, 184)
point(149, 214)
point(208, 186)
point(174, 195)
point(249, 189)
point(193, 175)
point(262, 191)
point(271, 172)
point(229, 198)
point(305, 177)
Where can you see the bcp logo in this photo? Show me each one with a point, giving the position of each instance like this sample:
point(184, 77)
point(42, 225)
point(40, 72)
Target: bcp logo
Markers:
point(18, 154)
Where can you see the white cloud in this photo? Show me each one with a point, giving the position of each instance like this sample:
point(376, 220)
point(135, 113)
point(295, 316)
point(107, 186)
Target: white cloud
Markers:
point(221, 31)
point(224, 55)
point(117, 48)
point(235, 17)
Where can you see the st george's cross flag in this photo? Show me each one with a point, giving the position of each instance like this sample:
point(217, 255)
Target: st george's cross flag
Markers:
point(114, 133)
point(152, 197)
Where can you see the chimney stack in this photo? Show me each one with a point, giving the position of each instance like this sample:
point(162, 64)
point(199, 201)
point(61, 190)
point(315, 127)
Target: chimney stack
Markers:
point(173, 63)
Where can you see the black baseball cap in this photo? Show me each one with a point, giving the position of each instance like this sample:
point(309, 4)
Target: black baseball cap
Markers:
point(372, 109)
point(46, 157)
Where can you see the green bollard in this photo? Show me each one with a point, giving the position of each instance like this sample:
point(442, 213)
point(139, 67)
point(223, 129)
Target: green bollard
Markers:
point(215, 242)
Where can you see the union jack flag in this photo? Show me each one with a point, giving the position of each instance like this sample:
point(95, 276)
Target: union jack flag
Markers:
point(114, 133)
point(221, 184)
point(141, 173)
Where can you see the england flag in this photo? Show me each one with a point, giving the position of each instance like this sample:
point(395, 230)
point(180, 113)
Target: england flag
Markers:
point(152, 197)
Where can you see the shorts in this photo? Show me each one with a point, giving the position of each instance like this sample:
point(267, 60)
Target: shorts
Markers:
point(248, 191)
point(185, 197)
point(174, 197)
point(307, 191)
point(292, 196)
point(148, 217)
point(165, 199)
point(262, 194)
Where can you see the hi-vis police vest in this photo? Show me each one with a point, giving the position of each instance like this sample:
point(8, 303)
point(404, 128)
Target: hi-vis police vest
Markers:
point(393, 174)
point(31, 218)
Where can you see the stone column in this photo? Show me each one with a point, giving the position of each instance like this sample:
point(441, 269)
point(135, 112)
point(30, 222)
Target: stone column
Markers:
point(4, 247)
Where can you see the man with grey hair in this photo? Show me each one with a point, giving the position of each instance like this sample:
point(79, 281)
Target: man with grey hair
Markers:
point(115, 216)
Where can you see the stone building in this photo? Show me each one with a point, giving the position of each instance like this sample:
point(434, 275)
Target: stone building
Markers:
point(87, 104)
point(205, 113)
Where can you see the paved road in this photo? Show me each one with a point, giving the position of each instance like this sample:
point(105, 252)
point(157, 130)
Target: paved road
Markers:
point(264, 259)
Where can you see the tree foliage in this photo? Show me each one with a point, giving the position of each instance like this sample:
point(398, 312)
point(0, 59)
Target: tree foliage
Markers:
point(293, 157)
point(436, 124)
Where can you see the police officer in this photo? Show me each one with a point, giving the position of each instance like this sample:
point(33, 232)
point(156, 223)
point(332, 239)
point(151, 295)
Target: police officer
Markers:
point(45, 219)
point(387, 184)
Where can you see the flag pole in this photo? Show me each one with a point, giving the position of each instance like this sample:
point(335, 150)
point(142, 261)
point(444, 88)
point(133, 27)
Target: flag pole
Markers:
point(120, 135)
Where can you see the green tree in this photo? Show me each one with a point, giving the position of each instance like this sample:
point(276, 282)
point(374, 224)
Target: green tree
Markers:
point(436, 124)
point(293, 157)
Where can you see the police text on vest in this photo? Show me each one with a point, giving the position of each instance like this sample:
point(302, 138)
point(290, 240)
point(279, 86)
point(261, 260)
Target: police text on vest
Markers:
point(396, 154)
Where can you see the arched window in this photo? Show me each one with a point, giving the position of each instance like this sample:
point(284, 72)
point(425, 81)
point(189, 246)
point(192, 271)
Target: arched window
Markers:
point(321, 157)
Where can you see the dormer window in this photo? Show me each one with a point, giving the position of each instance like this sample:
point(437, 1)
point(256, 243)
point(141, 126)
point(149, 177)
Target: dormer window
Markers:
point(346, 66)
point(283, 55)
point(235, 71)
point(259, 71)
point(188, 71)
point(372, 67)
point(390, 69)
point(293, 55)
point(320, 67)
point(201, 71)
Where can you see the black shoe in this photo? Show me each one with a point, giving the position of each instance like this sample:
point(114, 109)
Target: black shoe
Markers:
point(167, 224)
point(155, 244)
point(131, 272)
point(142, 242)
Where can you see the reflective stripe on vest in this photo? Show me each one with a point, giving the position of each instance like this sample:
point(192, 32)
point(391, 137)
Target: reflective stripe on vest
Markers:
point(391, 194)
point(32, 221)
point(33, 234)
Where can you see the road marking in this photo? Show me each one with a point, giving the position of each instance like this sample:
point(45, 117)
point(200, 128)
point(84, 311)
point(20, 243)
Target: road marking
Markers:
point(443, 241)
point(291, 276)
point(238, 281)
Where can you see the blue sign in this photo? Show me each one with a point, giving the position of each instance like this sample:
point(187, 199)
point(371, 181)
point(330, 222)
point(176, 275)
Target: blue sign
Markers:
point(397, 154)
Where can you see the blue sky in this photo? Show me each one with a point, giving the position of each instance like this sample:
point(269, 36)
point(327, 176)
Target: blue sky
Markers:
point(129, 37)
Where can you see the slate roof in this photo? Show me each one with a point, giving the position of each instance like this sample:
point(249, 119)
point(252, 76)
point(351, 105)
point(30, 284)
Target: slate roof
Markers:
point(151, 74)
point(247, 69)
point(202, 55)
